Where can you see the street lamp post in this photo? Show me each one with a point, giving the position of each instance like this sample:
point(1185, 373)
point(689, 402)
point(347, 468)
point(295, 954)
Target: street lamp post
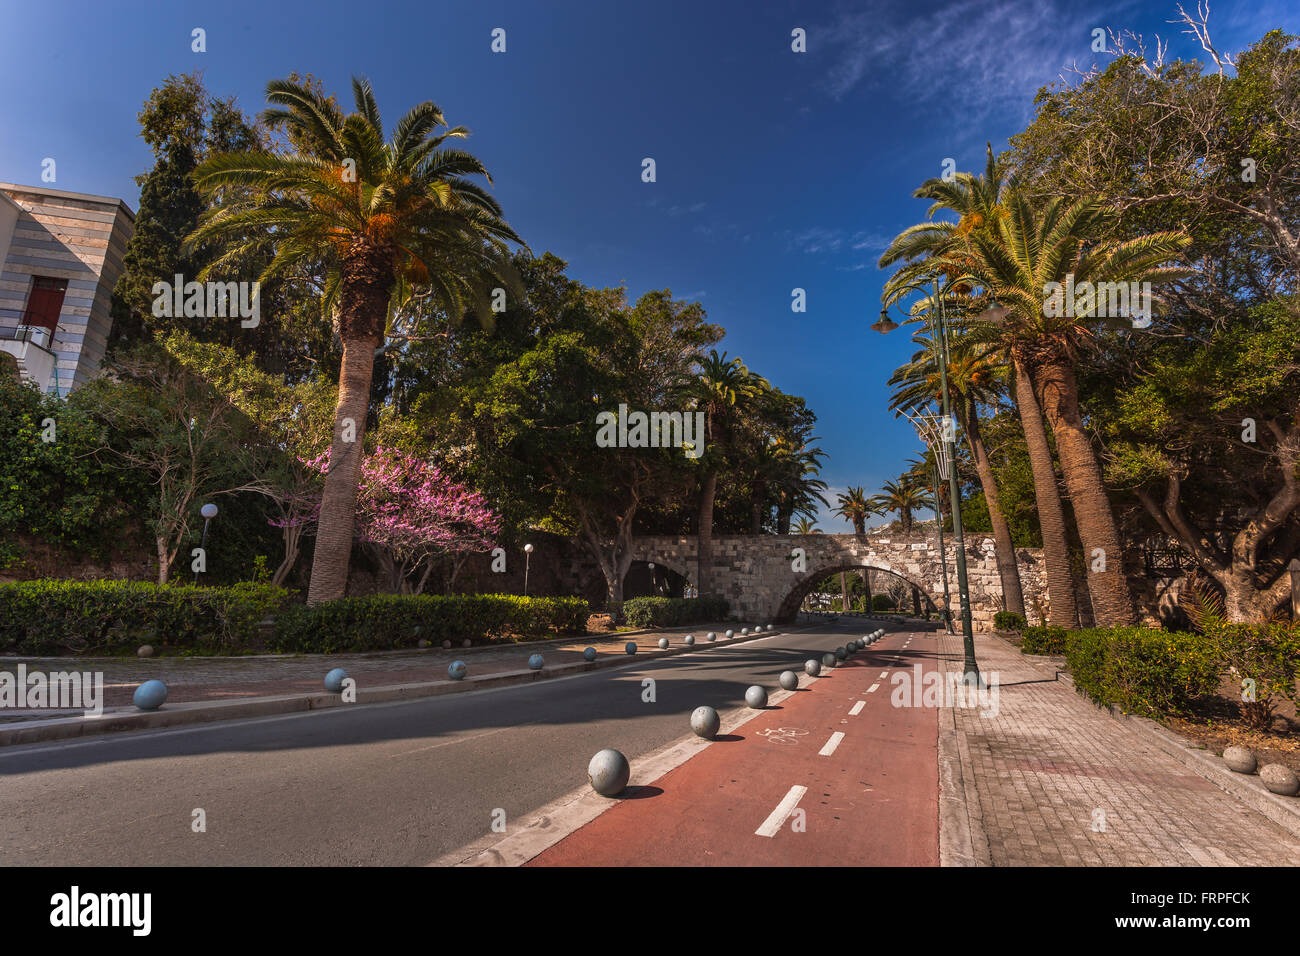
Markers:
point(528, 555)
point(209, 512)
point(931, 433)
point(885, 324)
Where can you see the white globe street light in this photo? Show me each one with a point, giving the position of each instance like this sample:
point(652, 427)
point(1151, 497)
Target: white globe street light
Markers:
point(528, 555)
point(209, 511)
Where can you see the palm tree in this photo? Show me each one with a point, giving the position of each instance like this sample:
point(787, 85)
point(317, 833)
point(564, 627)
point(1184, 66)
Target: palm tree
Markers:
point(978, 203)
point(383, 219)
point(975, 377)
point(723, 386)
point(805, 525)
point(903, 496)
point(1017, 264)
point(855, 507)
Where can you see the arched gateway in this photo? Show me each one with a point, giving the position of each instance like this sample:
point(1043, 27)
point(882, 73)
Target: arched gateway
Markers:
point(757, 573)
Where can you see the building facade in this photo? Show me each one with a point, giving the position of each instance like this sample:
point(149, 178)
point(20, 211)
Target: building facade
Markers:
point(60, 257)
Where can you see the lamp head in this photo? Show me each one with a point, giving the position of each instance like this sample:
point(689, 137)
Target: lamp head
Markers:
point(528, 548)
point(208, 511)
point(885, 323)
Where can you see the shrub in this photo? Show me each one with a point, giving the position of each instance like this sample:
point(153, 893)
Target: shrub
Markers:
point(881, 602)
point(52, 617)
point(1043, 639)
point(1143, 670)
point(1009, 621)
point(672, 612)
point(390, 621)
point(1265, 659)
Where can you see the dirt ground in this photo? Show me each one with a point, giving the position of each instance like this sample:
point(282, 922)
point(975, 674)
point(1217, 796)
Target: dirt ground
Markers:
point(1216, 723)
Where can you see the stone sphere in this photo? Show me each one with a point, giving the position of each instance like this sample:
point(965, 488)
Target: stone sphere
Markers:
point(710, 636)
point(535, 662)
point(1239, 759)
point(663, 643)
point(630, 647)
point(1279, 779)
point(744, 631)
point(609, 772)
point(446, 645)
point(812, 667)
point(422, 644)
point(334, 680)
point(830, 660)
point(789, 680)
point(705, 722)
point(756, 697)
point(150, 695)
point(467, 643)
point(841, 654)
point(589, 654)
point(730, 633)
point(689, 640)
point(457, 670)
point(146, 650)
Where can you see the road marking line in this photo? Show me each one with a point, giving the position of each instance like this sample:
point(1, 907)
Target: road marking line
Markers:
point(884, 674)
point(831, 744)
point(776, 819)
point(856, 708)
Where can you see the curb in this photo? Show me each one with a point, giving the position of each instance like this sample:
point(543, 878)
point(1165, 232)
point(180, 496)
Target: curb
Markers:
point(1284, 811)
point(199, 712)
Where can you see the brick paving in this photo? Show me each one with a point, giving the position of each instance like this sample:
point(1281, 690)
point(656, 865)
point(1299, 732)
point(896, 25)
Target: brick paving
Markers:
point(229, 678)
point(1039, 773)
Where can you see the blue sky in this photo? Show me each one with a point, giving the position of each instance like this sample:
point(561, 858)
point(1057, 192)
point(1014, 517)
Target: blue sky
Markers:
point(775, 170)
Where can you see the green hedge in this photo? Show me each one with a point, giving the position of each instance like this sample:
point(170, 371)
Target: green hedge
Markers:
point(383, 622)
point(673, 612)
point(1009, 621)
point(881, 602)
point(1043, 639)
point(1143, 670)
point(46, 618)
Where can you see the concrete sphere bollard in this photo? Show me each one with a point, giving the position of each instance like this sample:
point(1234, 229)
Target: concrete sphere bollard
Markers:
point(1239, 759)
point(730, 633)
point(608, 772)
point(744, 631)
point(146, 650)
point(1279, 779)
point(663, 643)
point(467, 643)
point(789, 680)
point(689, 640)
point(150, 695)
point(334, 680)
point(710, 636)
point(535, 662)
point(457, 670)
point(422, 644)
point(589, 654)
point(830, 660)
point(812, 668)
point(756, 697)
point(630, 647)
point(446, 645)
point(705, 722)
point(841, 653)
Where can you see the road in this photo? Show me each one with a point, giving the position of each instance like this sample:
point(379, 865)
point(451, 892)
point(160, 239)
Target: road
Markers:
point(388, 784)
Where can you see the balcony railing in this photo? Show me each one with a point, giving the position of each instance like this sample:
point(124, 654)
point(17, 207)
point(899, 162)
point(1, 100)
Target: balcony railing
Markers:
point(37, 335)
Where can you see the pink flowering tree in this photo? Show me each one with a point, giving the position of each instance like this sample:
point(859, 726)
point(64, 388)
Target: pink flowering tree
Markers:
point(410, 515)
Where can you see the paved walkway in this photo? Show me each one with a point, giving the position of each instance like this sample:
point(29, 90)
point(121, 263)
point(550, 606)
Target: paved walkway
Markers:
point(227, 678)
point(1052, 780)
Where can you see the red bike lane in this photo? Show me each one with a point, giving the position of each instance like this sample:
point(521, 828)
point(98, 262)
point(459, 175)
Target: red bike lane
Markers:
point(833, 776)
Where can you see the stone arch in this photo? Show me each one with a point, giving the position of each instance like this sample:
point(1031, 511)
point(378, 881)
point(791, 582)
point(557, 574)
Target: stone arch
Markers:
point(668, 581)
point(790, 604)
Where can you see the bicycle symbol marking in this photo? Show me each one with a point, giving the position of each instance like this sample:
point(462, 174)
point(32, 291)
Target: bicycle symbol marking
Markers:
point(782, 735)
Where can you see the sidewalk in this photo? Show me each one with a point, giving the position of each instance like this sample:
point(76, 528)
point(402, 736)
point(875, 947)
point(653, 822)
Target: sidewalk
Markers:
point(197, 679)
point(1053, 780)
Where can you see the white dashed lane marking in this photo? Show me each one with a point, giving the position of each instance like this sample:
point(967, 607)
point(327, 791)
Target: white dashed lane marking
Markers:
point(829, 747)
point(856, 708)
point(776, 819)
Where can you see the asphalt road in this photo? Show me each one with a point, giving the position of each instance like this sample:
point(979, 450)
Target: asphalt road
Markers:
point(383, 784)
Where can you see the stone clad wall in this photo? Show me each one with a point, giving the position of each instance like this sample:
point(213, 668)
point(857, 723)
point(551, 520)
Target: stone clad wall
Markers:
point(755, 573)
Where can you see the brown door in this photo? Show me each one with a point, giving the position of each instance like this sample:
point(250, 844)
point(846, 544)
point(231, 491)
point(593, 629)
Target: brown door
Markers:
point(45, 302)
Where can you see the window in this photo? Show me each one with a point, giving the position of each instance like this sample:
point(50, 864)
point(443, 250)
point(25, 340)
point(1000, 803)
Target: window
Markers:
point(44, 303)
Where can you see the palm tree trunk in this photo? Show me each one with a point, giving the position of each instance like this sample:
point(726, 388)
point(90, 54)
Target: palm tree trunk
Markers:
point(705, 531)
point(1051, 517)
point(844, 592)
point(1004, 551)
point(334, 530)
point(1111, 598)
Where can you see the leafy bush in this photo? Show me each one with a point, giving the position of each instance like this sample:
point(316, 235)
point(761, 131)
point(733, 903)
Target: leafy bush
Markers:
point(53, 617)
point(881, 602)
point(1143, 670)
point(1043, 639)
point(672, 612)
point(389, 621)
point(1009, 621)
